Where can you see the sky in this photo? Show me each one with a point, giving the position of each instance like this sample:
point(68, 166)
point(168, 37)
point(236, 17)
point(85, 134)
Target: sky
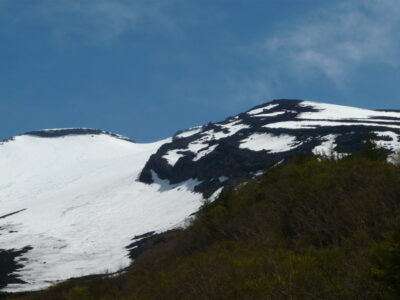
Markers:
point(148, 68)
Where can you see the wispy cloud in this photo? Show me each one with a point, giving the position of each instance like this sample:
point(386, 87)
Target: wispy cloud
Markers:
point(99, 20)
point(337, 40)
point(249, 89)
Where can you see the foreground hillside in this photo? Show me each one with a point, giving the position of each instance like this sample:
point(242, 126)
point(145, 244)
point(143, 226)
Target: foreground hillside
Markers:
point(311, 229)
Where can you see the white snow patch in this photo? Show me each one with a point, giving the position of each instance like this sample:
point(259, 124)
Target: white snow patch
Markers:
point(232, 128)
point(305, 124)
point(340, 112)
point(189, 132)
point(258, 173)
point(197, 145)
point(215, 195)
point(204, 152)
point(220, 135)
point(393, 144)
point(173, 156)
point(277, 113)
point(261, 109)
point(269, 142)
point(165, 185)
point(201, 146)
point(327, 146)
point(83, 204)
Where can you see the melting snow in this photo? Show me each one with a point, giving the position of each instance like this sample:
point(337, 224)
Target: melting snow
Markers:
point(232, 128)
point(261, 109)
point(274, 114)
point(269, 142)
point(173, 156)
point(340, 112)
point(204, 152)
point(189, 132)
point(327, 146)
point(305, 124)
point(392, 144)
point(198, 145)
point(215, 195)
point(201, 146)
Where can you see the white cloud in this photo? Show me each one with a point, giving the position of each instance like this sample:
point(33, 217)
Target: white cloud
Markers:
point(340, 39)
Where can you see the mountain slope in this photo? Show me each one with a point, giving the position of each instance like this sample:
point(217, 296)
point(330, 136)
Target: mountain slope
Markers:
point(73, 204)
point(241, 146)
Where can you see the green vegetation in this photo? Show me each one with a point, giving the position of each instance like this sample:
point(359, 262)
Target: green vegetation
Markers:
point(311, 229)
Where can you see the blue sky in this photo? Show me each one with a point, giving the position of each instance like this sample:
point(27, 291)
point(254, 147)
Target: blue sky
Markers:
point(147, 68)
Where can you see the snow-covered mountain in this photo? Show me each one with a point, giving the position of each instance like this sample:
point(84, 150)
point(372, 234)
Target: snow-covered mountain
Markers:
point(73, 200)
point(223, 153)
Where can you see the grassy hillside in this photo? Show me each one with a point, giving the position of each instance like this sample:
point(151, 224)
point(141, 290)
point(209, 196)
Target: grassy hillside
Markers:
point(311, 229)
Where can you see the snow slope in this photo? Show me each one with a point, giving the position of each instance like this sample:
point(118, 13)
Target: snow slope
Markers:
point(77, 203)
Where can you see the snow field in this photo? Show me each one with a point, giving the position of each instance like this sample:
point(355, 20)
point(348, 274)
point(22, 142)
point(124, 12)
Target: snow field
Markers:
point(82, 204)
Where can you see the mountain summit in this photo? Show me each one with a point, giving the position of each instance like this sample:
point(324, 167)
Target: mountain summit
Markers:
point(75, 201)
